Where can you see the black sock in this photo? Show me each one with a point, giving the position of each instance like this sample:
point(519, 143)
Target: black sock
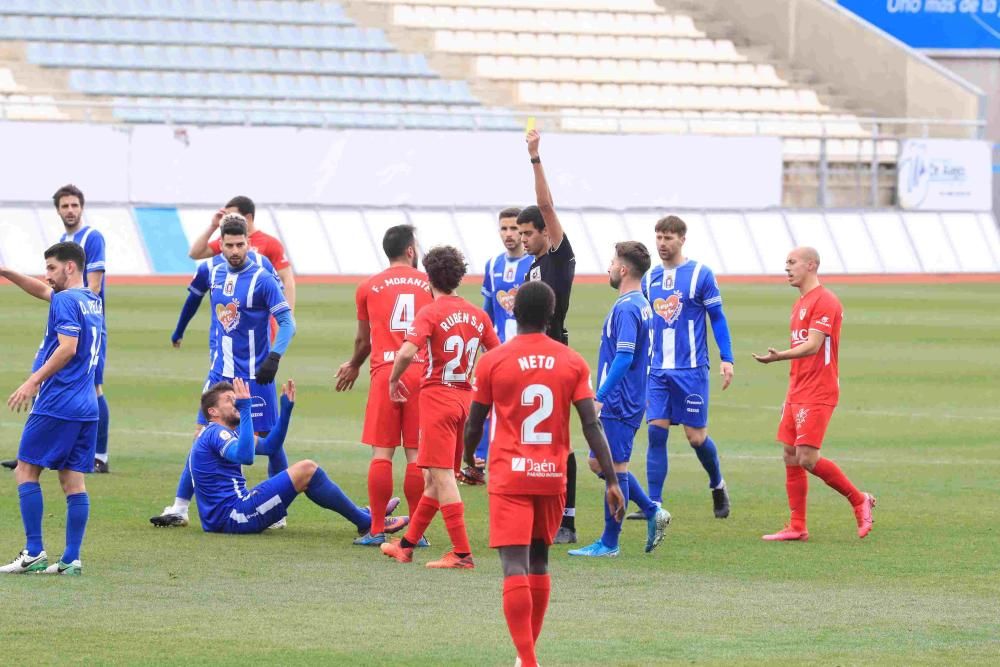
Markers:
point(406, 544)
point(462, 555)
point(569, 521)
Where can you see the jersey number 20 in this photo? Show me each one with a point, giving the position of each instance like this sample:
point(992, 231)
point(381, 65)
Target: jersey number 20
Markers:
point(458, 345)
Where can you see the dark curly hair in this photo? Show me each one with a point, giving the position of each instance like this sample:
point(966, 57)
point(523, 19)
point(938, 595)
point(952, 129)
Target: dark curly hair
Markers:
point(445, 266)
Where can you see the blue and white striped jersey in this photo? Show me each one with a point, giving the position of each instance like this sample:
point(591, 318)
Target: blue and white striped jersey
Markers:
point(679, 298)
point(503, 276)
point(242, 303)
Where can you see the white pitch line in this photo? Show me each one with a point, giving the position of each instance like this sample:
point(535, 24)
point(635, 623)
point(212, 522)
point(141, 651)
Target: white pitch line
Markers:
point(769, 459)
point(874, 413)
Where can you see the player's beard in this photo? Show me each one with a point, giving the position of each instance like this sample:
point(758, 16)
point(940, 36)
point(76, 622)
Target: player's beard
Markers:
point(614, 280)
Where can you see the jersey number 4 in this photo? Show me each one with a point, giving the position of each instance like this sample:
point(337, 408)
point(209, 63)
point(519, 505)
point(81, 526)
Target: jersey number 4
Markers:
point(542, 395)
point(402, 313)
point(95, 347)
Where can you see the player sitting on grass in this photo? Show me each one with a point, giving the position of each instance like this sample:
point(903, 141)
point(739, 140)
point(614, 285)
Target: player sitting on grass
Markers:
point(225, 505)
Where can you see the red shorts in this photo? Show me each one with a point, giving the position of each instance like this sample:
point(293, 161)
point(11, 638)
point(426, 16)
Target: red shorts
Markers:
point(804, 424)
point(443, 411)
point(388, 423)
point(521, 519)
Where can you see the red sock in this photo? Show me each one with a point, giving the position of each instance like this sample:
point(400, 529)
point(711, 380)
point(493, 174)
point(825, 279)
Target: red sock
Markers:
point(413, 486)
point(454, 521)
point(421, 518)
point(518, 611)
point(797, 487)
point(379, 492)
point(830, 472)
point(541, 586)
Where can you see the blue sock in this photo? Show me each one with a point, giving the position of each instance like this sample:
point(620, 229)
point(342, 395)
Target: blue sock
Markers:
point(483, 449)
point(185, 485)
point(30, 494)
point(77, 511)
point(277, 462)
point(709, 457)
point(613, 528)
point(657, 464)
point(325, 493)
point(102, 428)
point(639, 497)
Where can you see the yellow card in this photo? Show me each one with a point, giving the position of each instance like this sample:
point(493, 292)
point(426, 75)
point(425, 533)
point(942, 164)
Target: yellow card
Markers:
point(530, 125)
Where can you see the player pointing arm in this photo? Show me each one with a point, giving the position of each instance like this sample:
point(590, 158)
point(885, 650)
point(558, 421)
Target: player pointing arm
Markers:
point(813, 393)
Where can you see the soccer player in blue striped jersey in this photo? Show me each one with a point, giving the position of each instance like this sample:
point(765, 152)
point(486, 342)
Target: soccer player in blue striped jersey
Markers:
point(243, 296)
point(228, 442)
point(503, 275)
point(68, 201)
point(61, 431)
point(683, 293)
point(622, 366)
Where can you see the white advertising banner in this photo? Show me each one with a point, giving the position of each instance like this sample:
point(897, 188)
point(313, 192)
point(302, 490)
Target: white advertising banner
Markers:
point(945, 175)
point(159, 164)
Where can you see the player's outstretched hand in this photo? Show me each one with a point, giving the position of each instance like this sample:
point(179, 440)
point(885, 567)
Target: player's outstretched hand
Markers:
point(21, 398)
point(726, 371)
point(616, 502)
point(533, 139)
point(346, 375)
point(268, 369)
point(772, 355)
point(398, 392)
point(288, 390)
point(240, 388)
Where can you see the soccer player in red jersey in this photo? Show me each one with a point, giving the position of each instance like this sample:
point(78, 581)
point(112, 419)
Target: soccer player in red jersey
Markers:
point(813, 391)
point(451, 330)
point(387, 303)
point(260, 243)
point(530, 382)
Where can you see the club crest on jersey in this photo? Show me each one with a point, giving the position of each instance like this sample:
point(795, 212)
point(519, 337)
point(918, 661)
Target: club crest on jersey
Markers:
point(510, 273)
point(802, 313)
point(228, 315)
point(668, 281)
point(801, 416)
point(535, 273)
point(670, 308)
point(506, 299)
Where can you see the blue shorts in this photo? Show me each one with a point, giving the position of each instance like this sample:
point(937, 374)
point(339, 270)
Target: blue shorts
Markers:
point(265, 504)
point(621, 437)
point(680, 396)
point(58, 444)
point(101, 357)
point(263, 403)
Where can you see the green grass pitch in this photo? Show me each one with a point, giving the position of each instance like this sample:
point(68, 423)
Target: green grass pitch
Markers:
point(917, 426)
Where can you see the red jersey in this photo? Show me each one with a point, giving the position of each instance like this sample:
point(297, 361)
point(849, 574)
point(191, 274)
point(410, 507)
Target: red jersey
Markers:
point(262, 244)
point(531, 381)
point(452, 330)
point(816, 379)
point(389, 301)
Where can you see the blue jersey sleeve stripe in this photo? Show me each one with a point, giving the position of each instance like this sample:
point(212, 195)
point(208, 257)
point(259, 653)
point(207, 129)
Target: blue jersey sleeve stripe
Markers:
point(68, 330)
point(279, 306)
point(194, 290)
point(713, 300)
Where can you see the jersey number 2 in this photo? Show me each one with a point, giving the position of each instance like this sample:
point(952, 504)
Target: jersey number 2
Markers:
point(402, 313)
point(543, 396)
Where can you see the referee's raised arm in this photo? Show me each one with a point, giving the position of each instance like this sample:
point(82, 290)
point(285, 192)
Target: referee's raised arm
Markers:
point(543, 195)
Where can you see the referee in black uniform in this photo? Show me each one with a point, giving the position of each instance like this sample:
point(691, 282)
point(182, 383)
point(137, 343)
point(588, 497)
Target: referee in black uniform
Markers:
point(555, 265)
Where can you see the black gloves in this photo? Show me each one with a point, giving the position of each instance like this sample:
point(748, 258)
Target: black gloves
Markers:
point(268, 369)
